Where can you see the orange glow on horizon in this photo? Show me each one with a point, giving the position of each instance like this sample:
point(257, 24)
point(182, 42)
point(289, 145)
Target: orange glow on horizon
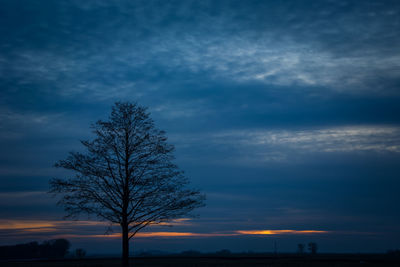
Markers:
point(163, 234)
point(190, 234)
point(152, 234)
point(280, 232)
point(72, 230)
point(183, 234)
point(38, 224)
point(17, 225)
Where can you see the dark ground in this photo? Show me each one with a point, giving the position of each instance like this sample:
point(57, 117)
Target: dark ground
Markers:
point(280, 261)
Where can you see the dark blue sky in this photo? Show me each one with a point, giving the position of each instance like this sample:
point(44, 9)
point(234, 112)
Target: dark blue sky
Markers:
point(285, 113)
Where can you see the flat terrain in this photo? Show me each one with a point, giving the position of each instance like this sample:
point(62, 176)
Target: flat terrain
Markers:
point(324, 261)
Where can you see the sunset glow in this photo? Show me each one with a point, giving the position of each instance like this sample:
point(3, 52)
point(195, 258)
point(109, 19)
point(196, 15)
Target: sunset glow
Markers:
point(280, 232)
point(205, 125)
point(190, 234)
point(41, 224)
point(10, 224)
point(78, 229)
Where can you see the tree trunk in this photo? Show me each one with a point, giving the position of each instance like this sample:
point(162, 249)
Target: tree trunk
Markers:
point(125, 245)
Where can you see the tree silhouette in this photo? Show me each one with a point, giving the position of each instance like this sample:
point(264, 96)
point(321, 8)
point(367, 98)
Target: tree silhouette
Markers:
point(312, 247)
point(300, 248)
point(127, 175)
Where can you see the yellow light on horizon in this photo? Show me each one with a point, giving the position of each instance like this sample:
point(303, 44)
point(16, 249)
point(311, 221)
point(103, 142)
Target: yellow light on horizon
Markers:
point(280, 232)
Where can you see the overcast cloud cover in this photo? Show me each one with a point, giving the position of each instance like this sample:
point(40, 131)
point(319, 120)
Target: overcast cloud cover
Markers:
point(285, 113)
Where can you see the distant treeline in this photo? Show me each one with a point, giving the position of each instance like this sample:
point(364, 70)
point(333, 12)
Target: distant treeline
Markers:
point(56, 248)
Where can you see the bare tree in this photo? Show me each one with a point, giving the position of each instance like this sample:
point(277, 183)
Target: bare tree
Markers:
point(312, 247)
point(126, 176)
point(300, 248)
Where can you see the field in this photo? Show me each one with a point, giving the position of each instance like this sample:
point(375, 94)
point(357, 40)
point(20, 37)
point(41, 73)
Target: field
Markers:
point(282, 261)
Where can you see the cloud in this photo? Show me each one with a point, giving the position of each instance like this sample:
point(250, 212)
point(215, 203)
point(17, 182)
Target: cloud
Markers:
point(42, 126)
point(266, 60)
point(336, 139)
point(133, 53)
point(236, 84)
point(252, 146)
point(23, 198)
point(11, 122)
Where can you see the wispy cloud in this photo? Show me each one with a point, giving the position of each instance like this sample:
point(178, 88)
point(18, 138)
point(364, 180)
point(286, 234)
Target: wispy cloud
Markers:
point(266, 60)
point(230, 47)
point(12, 122)
point(269, 145)
point(17, 125)
point(347, 139)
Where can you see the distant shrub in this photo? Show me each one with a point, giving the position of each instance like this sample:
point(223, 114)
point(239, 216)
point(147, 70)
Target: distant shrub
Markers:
point(80, 253)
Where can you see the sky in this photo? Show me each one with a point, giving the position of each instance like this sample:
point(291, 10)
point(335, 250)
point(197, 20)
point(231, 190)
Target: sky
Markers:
point(284, 113)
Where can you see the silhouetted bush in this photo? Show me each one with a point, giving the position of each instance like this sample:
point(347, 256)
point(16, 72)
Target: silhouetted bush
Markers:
point(80, 253)
point(56, 248)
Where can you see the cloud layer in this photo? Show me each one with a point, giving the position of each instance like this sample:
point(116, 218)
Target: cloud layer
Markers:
point(285, 113)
